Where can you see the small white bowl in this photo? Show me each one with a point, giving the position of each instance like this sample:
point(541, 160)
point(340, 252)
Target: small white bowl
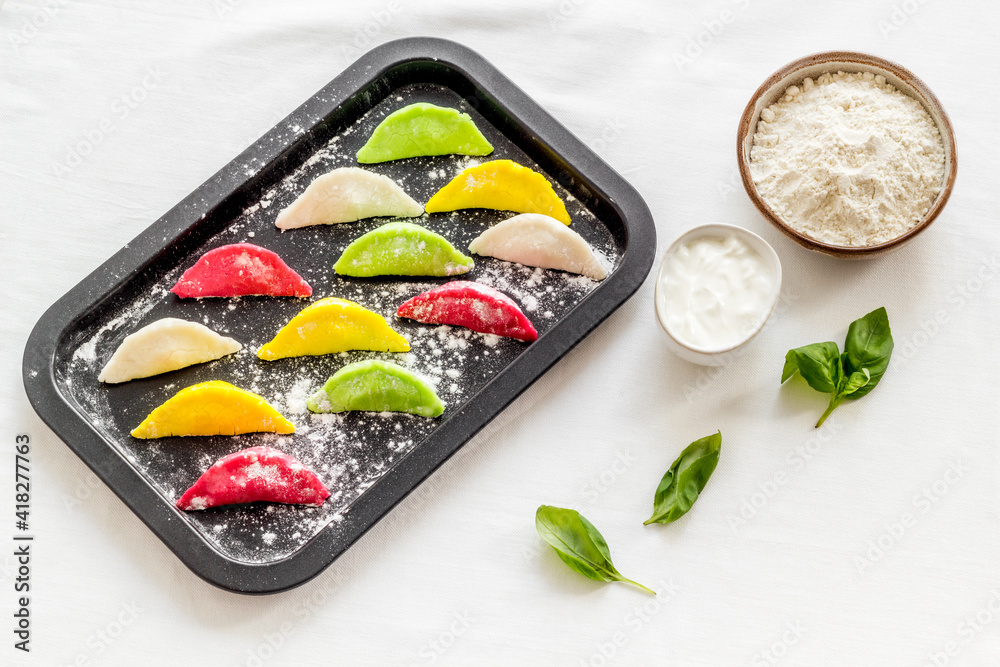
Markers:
point(709, 356)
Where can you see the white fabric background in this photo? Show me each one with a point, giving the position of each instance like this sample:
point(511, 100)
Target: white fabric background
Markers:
point(456, 575)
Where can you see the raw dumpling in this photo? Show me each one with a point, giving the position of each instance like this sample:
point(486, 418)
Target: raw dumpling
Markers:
point(333, 325)
point(402, 249)
point(471, 305)
point(424, 129)
point(345, 195)
point(376, 386)
point(163, 346)
point(538, 240)
point(240, 269)
point(212, 408)
point(255, 474)
point(501, 185)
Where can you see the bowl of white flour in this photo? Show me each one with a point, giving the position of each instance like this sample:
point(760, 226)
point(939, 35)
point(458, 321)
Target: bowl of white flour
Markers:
point(847, 153)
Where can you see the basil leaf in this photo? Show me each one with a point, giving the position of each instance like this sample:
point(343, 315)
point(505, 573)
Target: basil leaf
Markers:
point(857, 380)
point(685, 480)
point(849, 375)
point(841, 376)
point(818, 363)
point(579, 544)
point(791, 365)
point(869, 346)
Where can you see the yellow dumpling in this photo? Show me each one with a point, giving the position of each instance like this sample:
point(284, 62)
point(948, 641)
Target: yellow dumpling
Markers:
point(212, 408)
point(501, 185)
point(333, 325)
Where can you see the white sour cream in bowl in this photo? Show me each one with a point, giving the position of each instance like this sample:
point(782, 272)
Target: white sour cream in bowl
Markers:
point(716, 287)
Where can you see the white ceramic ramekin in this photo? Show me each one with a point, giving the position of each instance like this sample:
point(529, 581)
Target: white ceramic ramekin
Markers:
point(709, 356)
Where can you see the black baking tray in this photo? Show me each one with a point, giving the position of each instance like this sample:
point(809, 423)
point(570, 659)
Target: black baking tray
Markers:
point(369, 462)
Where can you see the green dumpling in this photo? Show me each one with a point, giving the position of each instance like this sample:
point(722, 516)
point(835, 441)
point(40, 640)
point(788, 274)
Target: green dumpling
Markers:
point(401, 249)
point(424, 129)
point(376, 386)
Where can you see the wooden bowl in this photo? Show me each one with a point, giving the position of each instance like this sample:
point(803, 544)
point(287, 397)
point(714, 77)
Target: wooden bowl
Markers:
point(848, 61)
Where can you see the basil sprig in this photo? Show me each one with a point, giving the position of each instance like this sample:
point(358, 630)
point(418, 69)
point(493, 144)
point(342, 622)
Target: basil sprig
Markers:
point(849, 375)
point(579, 544)
point(684, 481)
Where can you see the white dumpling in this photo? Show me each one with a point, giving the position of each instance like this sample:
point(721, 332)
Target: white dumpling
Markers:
point(534, 239)
point(165, 345)
point(345, 195)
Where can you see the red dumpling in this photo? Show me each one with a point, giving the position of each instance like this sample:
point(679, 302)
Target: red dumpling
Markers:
point(471, 305)
point(255, 474)
point(240, 269)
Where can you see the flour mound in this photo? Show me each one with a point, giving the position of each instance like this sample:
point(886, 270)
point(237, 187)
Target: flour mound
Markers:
point(848, 160)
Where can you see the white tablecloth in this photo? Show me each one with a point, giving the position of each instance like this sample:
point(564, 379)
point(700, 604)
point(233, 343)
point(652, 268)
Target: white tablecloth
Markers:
point(873, 542)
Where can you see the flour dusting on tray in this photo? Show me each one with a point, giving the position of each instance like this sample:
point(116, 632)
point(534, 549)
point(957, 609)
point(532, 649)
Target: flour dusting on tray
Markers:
point(349, 452)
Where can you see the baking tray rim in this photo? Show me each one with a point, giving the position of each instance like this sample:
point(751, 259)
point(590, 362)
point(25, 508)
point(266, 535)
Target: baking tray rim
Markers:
point(59, 413)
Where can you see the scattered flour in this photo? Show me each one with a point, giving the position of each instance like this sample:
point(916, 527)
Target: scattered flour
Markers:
point(349, 451)
point(295, 399)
